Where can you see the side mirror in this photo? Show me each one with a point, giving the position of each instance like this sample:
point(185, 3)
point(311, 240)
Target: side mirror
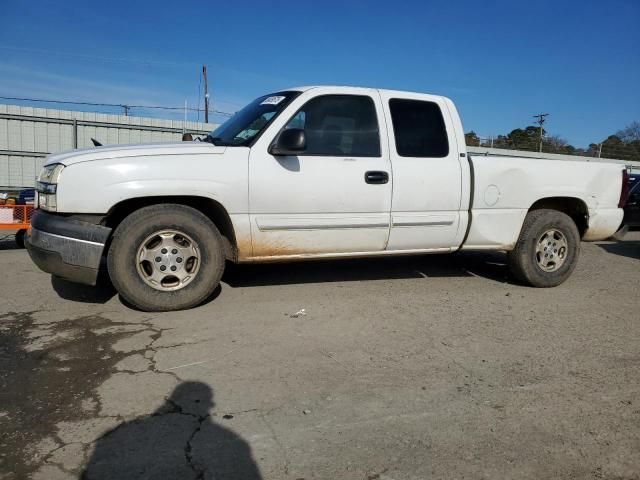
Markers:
point(290, 142)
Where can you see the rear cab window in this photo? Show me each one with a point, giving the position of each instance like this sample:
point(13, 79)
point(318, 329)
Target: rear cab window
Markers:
point(419, 128)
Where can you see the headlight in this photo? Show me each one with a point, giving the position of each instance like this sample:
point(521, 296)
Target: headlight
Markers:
point(50, 173)
point(47, 186)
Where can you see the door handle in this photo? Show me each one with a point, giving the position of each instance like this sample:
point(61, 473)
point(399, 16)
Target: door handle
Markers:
point(376, 177)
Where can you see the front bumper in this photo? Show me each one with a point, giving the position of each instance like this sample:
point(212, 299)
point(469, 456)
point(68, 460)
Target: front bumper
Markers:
point(66, 248)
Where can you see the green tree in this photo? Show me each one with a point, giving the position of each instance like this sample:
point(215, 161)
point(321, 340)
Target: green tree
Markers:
point(615, 147)
point(557, 144)
point(630, 138)
point(527, 139)
point(629, 134)
point(624, 145)
point(471, 138)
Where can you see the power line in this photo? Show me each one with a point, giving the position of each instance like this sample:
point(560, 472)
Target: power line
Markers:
point(140, 61)
point(126, 107)
point(541, 119)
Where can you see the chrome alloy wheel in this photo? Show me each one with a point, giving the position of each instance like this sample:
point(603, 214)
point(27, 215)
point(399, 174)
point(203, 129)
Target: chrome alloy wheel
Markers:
point(168, 260)
point(551, 250)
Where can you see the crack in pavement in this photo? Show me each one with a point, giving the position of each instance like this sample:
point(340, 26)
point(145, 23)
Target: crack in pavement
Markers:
point(44, 387)
point(188, 450)
point(39, 385)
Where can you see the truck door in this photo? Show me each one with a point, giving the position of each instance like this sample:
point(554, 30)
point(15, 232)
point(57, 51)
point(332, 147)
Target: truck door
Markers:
point(427, 177)
point(335, 196)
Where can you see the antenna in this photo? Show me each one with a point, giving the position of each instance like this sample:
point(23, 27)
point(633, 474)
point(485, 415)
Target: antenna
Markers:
point(541, 119)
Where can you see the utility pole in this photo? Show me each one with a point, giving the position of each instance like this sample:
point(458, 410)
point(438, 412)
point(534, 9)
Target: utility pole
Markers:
point(184, 124)
point(541, 118)
point(206, 94)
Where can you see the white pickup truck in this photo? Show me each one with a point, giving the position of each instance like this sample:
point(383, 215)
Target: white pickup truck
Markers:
point(309, 173)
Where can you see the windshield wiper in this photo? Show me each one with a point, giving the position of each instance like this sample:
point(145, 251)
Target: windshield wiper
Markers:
point(217, 141)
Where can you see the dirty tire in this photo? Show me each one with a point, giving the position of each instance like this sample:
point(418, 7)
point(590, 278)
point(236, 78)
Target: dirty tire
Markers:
point(132, 232)
point(522, 260)
point(20, 238)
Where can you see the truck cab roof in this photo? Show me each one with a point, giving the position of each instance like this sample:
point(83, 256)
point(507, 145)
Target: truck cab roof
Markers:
point(360, 90)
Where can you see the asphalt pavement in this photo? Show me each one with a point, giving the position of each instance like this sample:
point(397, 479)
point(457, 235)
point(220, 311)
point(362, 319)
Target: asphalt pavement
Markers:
point(391, 368)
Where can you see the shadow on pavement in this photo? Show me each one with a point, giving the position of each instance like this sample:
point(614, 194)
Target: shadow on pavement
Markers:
point(8, 242)
point(629, 249)
point(179, 440)
point(101, 293)
point(490, 265)
point(209, 299)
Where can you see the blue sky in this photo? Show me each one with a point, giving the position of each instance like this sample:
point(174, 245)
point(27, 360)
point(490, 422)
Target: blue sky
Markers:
point(500, 61)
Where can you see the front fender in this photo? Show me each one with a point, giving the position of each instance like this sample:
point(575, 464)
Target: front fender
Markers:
point(95, 187)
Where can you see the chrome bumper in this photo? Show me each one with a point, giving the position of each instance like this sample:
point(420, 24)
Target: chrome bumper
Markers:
point(66, 248)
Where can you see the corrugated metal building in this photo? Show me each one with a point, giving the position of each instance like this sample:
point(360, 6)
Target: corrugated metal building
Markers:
point(28, 134)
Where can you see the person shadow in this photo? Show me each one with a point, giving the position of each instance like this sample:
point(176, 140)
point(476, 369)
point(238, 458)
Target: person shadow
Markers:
point(178, 441)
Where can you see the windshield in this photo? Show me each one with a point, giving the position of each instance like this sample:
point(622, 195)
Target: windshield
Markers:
point(246, 124)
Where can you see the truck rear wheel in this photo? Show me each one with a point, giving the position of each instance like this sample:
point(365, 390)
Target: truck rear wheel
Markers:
point(166, 257)
point(547, 250)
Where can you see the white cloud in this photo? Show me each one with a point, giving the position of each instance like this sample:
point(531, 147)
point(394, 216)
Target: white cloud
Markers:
point(20, 81)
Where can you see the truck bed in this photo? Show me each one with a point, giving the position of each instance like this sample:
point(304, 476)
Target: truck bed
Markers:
point(505, 188)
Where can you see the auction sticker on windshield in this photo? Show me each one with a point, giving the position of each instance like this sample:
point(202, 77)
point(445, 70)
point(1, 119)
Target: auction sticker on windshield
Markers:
point(272, 100)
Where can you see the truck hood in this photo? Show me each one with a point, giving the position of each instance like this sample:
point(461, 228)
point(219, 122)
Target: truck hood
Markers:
point(139, 150)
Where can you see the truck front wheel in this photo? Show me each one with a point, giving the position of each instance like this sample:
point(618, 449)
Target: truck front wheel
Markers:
point(547, 250)
point(166, 257)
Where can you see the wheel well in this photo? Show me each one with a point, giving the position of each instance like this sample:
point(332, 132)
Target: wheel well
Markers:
point(209, 207)
point(574, 207)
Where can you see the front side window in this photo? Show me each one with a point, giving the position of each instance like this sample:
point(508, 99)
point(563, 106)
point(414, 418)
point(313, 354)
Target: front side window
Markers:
point(419, 128)
point(248, 123)
point(339, 125)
